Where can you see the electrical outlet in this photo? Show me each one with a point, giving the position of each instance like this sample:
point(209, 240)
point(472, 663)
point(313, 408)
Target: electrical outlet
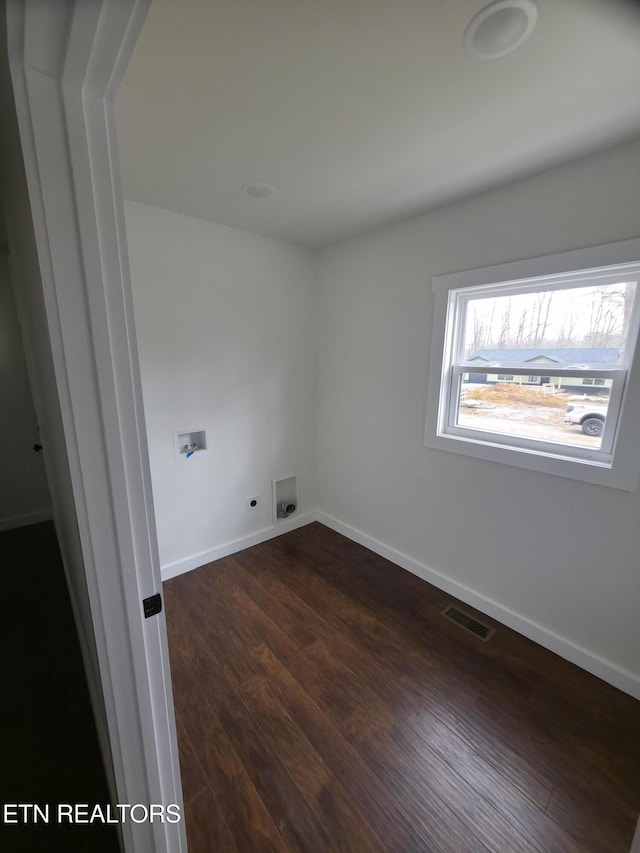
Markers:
point(253, 503)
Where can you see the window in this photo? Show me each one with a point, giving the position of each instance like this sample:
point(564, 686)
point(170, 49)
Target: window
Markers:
point(534, 364)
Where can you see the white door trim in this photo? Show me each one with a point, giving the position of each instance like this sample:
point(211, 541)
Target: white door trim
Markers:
point(67, 59)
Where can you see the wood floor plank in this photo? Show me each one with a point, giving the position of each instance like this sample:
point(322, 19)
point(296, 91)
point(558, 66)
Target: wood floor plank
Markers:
point(347, 828)
point(437, 687)
point(335, 711)
point(292, 814)
point(329, 683)
point(207, 831)
point(382, 812)
point(435, 787)
point(459, 815)
point(264, 635)
point(399, 682)
point(293, 817)
point(388, 817)
point(519, 658)
point(512, 725)
point(249, 822)
point(600, 824)
point(546, 738)
point(204, 611)
point(531, 822)
point(194, 780)
point(399, 592)
point(179, 645)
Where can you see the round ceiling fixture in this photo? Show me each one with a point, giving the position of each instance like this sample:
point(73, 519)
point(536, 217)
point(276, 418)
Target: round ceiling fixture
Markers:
point(257, 190)
point(499, 28)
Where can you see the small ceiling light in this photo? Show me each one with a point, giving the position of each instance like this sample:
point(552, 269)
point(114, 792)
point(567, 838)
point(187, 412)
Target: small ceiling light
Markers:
point(499, 28)
point(259, 190)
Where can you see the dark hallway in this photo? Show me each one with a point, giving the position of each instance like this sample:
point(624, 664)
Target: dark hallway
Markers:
point(50, 752)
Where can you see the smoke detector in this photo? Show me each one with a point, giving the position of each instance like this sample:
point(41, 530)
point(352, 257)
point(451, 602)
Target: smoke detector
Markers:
point(499, 28)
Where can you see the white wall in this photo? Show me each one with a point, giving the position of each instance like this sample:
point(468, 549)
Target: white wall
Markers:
point(560, 554)
point(24, 495)
point(225, 323)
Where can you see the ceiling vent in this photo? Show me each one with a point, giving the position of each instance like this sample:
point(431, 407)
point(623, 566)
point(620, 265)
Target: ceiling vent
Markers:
point(258, 190)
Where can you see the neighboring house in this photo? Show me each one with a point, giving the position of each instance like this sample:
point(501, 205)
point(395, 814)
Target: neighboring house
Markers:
point(601, 356)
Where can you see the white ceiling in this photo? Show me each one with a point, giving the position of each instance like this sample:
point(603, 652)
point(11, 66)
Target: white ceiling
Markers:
point(361, 112)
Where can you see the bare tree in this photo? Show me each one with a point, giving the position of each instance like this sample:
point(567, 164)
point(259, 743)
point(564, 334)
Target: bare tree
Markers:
point(567, 331)
point(480, 334)
point(539, 319)
point(533, 320)
point(606, 318)
point(521, 325)
point(629, 295)
point(504, 338)
point(544, 309)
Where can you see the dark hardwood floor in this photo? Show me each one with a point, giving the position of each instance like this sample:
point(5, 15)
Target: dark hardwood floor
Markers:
point(48, 742)
point(324, 704)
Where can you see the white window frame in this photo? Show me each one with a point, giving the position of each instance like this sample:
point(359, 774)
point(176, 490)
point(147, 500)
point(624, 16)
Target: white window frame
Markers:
point(617, 462)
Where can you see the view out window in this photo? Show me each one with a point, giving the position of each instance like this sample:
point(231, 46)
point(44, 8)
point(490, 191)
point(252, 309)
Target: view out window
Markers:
point(535, 368)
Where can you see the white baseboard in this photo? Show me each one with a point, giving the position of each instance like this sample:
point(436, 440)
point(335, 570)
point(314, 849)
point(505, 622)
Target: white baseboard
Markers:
point(601, 668)
point(24, 520)
point(171, 570)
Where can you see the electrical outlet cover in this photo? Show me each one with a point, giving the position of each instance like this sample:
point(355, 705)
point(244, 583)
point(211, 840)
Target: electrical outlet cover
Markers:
point(253, 503)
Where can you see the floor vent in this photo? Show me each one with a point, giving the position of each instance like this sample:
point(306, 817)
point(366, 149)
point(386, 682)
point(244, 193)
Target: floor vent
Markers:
point(483, 632)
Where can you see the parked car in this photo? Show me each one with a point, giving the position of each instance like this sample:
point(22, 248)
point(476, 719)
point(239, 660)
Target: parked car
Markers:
point(590, 416)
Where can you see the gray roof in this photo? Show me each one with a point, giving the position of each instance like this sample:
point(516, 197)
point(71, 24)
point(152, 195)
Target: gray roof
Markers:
point(593, 355)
